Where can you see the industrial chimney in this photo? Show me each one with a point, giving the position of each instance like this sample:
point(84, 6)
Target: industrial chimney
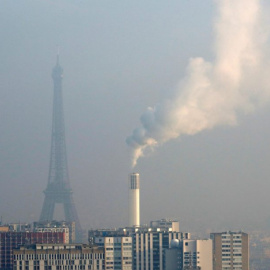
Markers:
point(134, 200)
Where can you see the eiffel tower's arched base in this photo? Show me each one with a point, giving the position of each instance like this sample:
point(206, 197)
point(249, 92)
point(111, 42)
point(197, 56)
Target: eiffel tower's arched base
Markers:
point(64, 197)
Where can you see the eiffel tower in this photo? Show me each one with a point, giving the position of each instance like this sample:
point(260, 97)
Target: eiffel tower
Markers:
point(58, 189)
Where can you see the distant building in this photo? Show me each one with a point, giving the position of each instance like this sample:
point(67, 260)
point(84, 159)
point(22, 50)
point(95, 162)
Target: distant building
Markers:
point(108, 232)
point(118, 251)
point(117, 247)
point(230, 250)
point(165, 223)
point(15, 227)
point(11, 240)
point(58, 257)
point(149, 245)
point(4, 228)
point(57, 226)
point(189, 254)
point(20, 227)
point(142, 247)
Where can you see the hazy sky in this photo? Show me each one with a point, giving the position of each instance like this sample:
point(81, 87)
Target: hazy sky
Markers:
point(119, 58)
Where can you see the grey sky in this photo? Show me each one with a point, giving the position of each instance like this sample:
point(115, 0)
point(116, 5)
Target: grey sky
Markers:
point(119, 57)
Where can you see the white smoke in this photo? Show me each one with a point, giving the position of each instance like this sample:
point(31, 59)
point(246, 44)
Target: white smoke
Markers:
point(212, 94)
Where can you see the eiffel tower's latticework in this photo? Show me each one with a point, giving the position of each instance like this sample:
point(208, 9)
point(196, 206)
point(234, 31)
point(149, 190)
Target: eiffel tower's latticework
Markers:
point(58, 189)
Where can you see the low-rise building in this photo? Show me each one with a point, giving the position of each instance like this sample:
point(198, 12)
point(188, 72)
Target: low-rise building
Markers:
point(57, 226)
point(20, 227)
point(165, 223)
point(58, 257)
point(11, 240)
point(4, 228)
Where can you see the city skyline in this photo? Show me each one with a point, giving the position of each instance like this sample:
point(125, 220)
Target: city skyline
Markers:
point(119, 59)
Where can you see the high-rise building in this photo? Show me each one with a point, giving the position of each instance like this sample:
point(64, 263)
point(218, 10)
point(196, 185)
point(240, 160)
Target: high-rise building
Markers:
point(58, 189)
point(149, 245)
point(58, 257)
point(189, 254)
point(134, 200)
point(117, 244)
point(118, 251)
point(146, 244)
point(230, 250)
point(11, 240)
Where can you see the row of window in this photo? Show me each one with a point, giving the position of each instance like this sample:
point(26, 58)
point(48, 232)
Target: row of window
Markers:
point(63, 267)
point(59, 262)
point(59, 256)
point(234, 254)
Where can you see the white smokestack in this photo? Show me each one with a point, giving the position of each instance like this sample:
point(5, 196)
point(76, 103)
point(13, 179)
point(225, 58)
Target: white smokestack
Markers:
point(134, 200)
point(213, 93)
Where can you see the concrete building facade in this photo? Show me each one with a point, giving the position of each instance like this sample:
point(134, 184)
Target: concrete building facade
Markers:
point(118, 251)
point(143, 246)
point(20, 227)
point(11, 240)
point(230, 250)
point(149, 245)
point(57, 226)
point(189, 254)
point(166, 223)
point(58, 257)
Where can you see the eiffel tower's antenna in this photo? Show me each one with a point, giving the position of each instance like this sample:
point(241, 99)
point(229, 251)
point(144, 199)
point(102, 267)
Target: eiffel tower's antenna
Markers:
point(58, 54)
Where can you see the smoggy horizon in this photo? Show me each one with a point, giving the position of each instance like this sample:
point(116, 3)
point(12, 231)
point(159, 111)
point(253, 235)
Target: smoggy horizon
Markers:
point(125, 65)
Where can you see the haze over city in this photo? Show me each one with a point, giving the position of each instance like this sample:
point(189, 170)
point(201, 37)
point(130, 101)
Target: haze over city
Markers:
point(120, 59)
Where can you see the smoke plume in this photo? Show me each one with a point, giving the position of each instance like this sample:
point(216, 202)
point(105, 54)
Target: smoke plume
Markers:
point(214, 93)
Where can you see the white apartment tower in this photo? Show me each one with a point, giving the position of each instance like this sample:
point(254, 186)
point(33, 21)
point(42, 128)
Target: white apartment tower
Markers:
point(118, 251)
point(134, 200)
point(189, 254)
